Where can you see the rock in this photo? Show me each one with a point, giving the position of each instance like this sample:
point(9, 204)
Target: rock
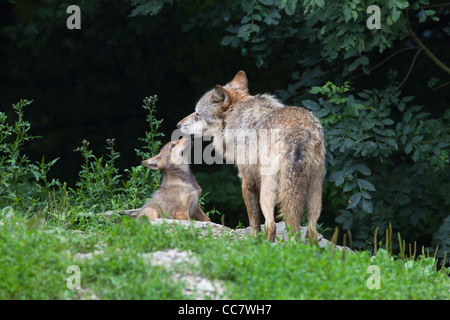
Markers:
point(169, 257)
point(88, 255)
point(220, 230)
point(86, 294)
point(201, 288)
point(183, 266)
point(204, 227)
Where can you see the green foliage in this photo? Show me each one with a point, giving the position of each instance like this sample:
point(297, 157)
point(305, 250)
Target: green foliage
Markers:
point(224, 193)
point(145, 7)
point(99, 178)
point(376, 142)
point(101, 187)
point(23, 184)
point(339, 26)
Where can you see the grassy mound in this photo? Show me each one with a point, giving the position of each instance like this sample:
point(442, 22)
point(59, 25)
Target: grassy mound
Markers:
point(113, 264)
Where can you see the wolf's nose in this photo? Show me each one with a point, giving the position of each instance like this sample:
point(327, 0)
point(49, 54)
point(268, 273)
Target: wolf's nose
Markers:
point(178, 125)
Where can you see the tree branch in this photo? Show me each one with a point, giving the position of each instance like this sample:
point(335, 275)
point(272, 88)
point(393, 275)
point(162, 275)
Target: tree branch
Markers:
point(410, 69)
point(440, 86)
point(382, 62)
point(420, 44)
point(436, 5)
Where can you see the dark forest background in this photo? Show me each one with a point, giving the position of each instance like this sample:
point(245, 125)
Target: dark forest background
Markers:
point(89, 85)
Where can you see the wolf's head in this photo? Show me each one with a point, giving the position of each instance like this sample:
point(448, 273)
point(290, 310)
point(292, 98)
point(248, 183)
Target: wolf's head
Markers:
point(210, 109)
point(173, 155)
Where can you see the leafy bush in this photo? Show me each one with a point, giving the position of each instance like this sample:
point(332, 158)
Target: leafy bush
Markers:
point(384, 161)
point(101, 187)
point(23, 184)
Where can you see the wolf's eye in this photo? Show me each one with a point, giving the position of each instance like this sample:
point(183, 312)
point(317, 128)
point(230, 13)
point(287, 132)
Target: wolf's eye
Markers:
point(196, 117)
point(171, 146)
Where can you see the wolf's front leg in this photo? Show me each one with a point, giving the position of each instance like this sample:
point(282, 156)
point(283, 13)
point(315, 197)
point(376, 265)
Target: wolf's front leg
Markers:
point(149, 212)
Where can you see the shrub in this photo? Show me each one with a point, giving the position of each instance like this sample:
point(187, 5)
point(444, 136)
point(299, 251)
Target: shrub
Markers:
point(23, 184)
point(387, 161)
point(101, 185)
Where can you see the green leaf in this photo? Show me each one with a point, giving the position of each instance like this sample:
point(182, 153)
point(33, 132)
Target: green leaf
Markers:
point(393, 143)
point(401, 4)
point(408, 148)
point(321, 113)
point(349, 185)
point(354, 200)
point(362, 168)
point(345, 219)
point(337, 177)
point(367, 205)
point(245, 30)
point(347, 13)
point(320, 3)
point(248, 5)
point(407, 116)
point(388, 121)
point(311, 105)
point(364, 60)
point(395, 14)
point(290, 7)
point(266, 2)
point(416, 139)
point(316, 90)
point(227, 40)
point(422, 17)
point(416, 155)
point(149, 8)
point(281, 4)
point(364, 184)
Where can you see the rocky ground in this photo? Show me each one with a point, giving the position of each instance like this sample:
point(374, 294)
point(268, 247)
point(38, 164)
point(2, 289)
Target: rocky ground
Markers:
point(181, 263)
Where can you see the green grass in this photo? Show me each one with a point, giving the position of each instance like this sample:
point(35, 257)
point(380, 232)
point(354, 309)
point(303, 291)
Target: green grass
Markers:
point(35, 256)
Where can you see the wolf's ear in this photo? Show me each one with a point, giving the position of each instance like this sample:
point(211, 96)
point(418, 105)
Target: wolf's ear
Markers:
point(152, 163)
point(220, 95)
point(240, 81)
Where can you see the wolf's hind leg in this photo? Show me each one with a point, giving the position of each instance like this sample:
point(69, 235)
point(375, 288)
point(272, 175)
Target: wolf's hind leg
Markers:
point(199, 215)
point(268, 198)
point(314, 205)
point(251, 199)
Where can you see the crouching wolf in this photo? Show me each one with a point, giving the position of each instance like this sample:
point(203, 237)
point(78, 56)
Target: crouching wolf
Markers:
point(179, 192)
point(285, 171)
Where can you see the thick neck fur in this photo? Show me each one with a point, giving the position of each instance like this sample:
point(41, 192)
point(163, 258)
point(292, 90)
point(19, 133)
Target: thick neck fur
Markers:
point(181, 175)
point(242, 116)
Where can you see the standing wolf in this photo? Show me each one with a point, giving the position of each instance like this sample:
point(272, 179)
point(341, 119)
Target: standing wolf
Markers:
point(229, 114)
